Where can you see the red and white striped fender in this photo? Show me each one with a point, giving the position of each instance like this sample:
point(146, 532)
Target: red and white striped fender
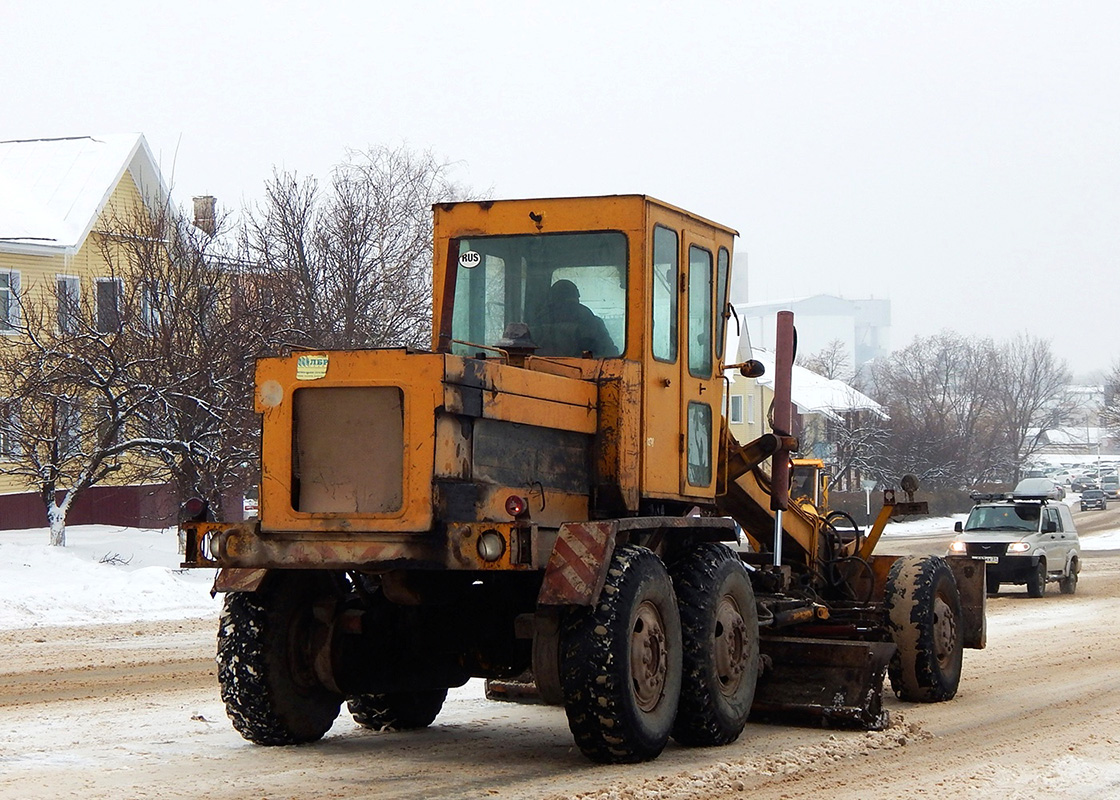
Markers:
point(577, 567)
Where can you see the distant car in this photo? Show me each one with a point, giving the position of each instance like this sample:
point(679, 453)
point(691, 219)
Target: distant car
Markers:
point(1110, 485)
point(1025, 538)
point(1083, 482)
point(1093, 498)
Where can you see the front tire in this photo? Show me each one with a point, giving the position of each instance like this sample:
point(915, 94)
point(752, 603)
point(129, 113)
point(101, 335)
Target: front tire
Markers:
point(923, 608)
point(1036, 581)
point(719, 624)
point(620, 662)
point(397, 711)
point(265, 670)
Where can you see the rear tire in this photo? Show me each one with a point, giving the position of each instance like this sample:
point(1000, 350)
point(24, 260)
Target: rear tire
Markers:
point(397, 711)
point(265, 670)
point(620, 662)
point(1036, 581)
point(719, 624)
point(1068, 584)
point(923, 608)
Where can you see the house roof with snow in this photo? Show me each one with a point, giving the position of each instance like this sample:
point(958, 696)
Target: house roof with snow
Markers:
point(816, 394)
point(53, 190)
point(810, 392)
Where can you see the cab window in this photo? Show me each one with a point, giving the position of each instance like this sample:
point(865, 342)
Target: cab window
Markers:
point(699, 312)
point(663, 325)
point(569, 288)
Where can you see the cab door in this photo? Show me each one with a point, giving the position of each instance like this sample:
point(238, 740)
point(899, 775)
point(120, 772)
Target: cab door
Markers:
point(662, 435)
point(700, 388)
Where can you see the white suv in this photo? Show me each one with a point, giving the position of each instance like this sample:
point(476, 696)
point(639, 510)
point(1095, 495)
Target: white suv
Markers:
point(1025, 537)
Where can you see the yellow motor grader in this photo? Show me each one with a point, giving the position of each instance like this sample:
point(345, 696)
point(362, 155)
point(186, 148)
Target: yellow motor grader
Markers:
point(550, 489)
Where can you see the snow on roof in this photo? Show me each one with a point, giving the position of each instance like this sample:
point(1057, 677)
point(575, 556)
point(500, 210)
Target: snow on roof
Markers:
point(810, 392)
point(816, 394)
point(52, 190)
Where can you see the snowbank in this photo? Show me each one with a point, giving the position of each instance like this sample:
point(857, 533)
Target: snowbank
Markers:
point(104, 574)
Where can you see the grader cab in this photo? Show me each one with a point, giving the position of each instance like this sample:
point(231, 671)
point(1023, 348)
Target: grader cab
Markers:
point(550, 491)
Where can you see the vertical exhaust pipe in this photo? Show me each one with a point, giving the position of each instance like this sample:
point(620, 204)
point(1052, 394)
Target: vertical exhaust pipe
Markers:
point(784, 351)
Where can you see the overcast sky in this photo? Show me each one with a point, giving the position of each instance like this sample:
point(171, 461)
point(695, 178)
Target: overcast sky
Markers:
point(959, 158)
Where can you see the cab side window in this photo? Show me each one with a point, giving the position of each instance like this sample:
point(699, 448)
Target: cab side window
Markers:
point(699, 312)
point(663, 325)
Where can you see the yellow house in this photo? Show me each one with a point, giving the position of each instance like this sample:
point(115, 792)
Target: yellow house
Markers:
point(56, 197)
point(824, 409)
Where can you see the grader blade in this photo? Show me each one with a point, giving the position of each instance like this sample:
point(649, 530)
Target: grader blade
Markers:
point(833, 682)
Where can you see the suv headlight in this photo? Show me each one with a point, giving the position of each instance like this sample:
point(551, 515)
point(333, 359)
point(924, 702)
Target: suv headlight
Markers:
point(1018, 547)
point(960, 548)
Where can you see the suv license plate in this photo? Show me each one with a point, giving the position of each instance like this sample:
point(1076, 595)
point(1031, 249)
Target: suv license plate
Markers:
point(991, 559)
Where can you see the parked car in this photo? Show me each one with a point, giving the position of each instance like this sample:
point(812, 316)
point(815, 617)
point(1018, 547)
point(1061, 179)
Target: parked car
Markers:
point(1027, 538)
point(1093, 498)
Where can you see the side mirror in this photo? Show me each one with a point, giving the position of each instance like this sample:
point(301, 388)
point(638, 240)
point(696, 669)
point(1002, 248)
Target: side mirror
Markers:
point(958, 526)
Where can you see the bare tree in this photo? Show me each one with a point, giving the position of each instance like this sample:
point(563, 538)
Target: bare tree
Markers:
point(939, 393)
point(354, 260)
point(198, 321)
point(831, 361)
point(1110, 413)
point(1031, 396)
point(69, 394)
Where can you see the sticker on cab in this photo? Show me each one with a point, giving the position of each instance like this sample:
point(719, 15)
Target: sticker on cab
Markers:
point(470, 259)
point(311, 368)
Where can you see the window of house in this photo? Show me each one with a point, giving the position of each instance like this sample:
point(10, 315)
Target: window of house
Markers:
point(736, 411)
point(68, 426)
point(151, 306)
point(750, 409)
point(67, 297)
point(9, 428)
point(9, 299)
point(108, 305)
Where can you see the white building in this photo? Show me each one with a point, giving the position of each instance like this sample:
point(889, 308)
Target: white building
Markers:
point(863, 326)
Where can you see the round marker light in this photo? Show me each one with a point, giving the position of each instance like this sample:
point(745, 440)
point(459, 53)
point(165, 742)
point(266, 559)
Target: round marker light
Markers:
point(193, 510)
point(491, 545)
point(516, 506)
point(958, 547)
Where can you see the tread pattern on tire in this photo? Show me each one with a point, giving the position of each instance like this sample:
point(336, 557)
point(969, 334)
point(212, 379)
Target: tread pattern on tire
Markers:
point(701, 576)
point(1068, 584)
point(1036, 581)
point(915, 671)
point(599, 697)
point(397, 711)
point(263, 700)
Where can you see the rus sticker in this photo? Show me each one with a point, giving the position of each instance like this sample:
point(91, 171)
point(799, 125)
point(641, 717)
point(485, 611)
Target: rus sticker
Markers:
point(311, 368)
point(470, 259)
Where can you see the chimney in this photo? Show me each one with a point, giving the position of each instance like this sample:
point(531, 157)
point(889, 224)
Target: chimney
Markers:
point(205, 216)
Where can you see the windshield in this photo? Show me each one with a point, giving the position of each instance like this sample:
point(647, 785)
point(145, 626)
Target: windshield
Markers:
point(1003, 518)
point(570, 288)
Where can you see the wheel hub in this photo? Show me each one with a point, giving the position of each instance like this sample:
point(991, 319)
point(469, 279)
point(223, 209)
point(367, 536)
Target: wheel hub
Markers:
point(944, 631)
point(731, 638)
point(649, 656)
